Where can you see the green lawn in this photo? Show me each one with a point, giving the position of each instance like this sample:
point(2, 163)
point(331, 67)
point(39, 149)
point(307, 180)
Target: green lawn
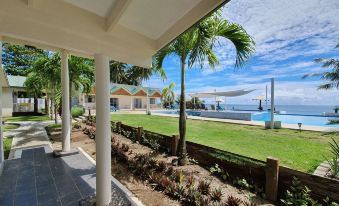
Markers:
point(7, 146)
point(8, 127)
point(27, 118)
point(299, 150)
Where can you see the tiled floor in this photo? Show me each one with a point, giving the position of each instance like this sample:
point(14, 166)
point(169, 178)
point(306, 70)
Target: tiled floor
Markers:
point(37, 178)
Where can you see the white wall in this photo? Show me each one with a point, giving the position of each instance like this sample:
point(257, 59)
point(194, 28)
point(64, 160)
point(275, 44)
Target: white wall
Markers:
point(7, 104)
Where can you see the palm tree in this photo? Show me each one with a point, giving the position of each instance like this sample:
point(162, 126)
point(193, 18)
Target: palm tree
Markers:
point(168, 95)
point(194, 47)
point(133, 75)
point(331, 76)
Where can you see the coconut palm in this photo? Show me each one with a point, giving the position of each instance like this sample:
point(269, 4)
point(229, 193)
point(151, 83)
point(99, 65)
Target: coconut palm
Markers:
point(331, 76)
point(195, 46)
point(168, 95)
point(133, 75)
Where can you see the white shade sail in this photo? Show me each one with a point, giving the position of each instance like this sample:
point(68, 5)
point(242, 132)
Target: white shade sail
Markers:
point(234, 93)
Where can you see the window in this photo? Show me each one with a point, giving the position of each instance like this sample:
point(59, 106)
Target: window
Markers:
point(89, 99)
point(137, 103)
point(152, 100)
point(114, 102)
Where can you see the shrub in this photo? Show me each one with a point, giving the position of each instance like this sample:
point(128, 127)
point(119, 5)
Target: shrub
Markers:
point(204, 187)
point(77, 111)
point(233, 201)
point(216, 195)
point(297, 195)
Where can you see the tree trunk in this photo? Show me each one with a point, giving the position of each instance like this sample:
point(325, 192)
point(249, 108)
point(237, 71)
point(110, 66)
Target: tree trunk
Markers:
point(36, 105)
point(47, 105)
point(52, 107)
point(182, 118)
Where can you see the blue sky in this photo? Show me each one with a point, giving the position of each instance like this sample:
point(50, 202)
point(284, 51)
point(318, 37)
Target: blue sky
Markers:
point(289, 35)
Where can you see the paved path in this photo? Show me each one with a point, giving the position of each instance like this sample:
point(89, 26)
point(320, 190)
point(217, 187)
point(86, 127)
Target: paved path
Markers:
point(28, 135)
point(33, 177)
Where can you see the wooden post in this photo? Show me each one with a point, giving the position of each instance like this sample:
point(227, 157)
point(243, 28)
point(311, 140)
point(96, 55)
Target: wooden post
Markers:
point(140, 131)
point(272, 174)
point(174, 145)
point(118, 127)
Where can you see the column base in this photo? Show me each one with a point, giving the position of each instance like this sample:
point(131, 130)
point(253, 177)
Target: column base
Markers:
point(60, 153)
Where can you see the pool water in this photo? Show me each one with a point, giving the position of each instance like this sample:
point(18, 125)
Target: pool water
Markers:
point(295, 119)
point(284, 118)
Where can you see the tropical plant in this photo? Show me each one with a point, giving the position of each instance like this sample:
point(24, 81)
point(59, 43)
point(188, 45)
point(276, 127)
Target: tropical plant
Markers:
point(331, 76)
point(168, 96)
point(122, 73)
point(298, 195)
point(194, 47)
point(18, 59)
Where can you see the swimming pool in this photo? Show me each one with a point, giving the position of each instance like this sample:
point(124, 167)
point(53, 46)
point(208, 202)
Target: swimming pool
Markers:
point(312, 120)
point(294, 119)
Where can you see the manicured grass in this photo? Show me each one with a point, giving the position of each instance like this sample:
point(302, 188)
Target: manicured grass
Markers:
point(303, 151)
point(27, 118)
point(8, 127)
point(7, 146)
point(53, 126)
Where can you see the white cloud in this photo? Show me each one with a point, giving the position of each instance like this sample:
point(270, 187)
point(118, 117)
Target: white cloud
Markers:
point(282, 29)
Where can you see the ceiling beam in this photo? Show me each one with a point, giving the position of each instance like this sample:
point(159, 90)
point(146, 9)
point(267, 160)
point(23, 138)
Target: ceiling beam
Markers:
point(116, 12)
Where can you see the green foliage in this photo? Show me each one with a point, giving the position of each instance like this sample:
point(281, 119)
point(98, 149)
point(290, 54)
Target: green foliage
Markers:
point(331, 76)
point(298, 195)
point(122, 73)
point(333, 162)
point(77, 111)
point(19, 60)
point(333, 121)
point(195, 47)
point(168, 96)
point(7, 146)
point(27, 118)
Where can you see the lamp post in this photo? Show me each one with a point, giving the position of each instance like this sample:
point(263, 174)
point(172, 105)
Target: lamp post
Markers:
point(299, 125)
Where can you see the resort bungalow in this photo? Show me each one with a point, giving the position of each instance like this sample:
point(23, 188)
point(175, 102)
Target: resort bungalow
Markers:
point(126, 97)
point(15, 99)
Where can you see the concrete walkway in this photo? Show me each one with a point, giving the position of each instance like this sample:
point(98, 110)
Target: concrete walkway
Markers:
point(33, 177)
point(28, 135)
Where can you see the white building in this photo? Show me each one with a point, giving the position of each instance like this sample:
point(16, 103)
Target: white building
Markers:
point(15, 99)
point(126, 97)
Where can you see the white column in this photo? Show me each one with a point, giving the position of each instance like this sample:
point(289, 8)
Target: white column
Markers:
point(131, 102)
point(272, 103)
point(1, 99)
point(66, 116)
point(147, 103)
point(103, 130)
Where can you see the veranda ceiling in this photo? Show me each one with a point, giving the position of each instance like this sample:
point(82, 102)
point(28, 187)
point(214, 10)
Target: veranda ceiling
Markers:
point(129, 31)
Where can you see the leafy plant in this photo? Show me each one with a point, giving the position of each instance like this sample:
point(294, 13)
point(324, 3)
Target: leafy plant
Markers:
point(242, 183)
point(204, 187)
point(334, 147)
point(216, 170)
point(192, 196)
point(162, 166)
point(334, 166)
point(77, 111)
point(216, 195)
point(233, 201)
point(297, 195)
point(124, 147)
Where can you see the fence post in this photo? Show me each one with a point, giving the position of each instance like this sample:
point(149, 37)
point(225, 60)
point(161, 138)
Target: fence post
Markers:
point(140, 131)
point(272, 174)
point(174, 145)
point(118, 127)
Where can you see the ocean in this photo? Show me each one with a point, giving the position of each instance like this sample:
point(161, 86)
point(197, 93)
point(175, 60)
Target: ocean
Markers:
point(288, 109)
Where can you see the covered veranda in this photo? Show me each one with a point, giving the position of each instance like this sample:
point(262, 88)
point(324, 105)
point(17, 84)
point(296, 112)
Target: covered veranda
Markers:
point(130, 31)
